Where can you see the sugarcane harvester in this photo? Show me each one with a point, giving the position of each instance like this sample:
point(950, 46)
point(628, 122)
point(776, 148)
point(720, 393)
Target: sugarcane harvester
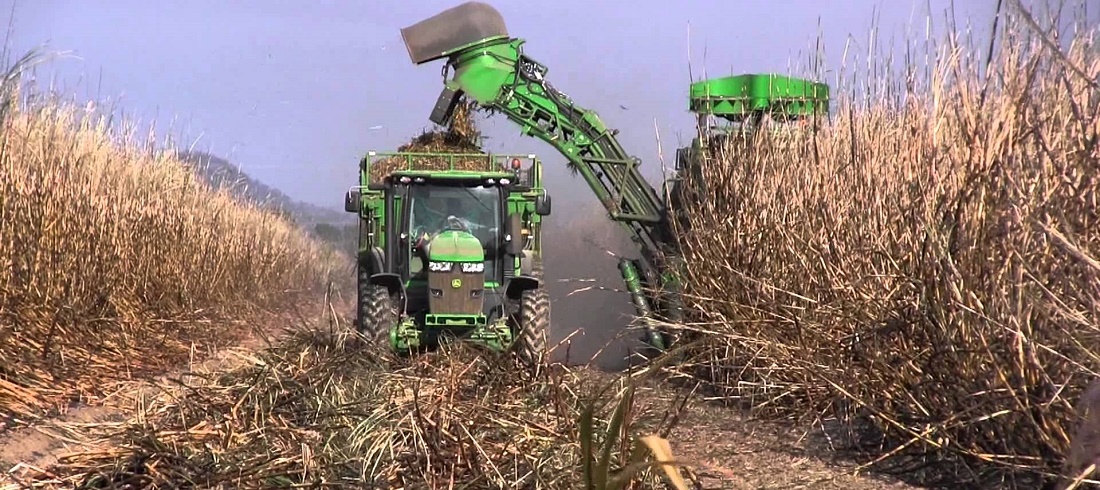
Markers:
point(487, 65)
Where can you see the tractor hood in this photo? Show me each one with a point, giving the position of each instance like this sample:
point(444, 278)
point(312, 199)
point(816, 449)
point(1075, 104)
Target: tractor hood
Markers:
point(456, 274)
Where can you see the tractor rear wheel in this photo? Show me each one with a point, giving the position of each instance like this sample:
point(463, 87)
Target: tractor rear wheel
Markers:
point(534, 320)
point(375, 309)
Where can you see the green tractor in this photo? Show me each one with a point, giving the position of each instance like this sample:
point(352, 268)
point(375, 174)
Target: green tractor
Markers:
point(486, 64)
point(450, 246)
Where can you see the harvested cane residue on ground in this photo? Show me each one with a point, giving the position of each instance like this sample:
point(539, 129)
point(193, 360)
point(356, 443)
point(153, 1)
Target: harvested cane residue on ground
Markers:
point(325, 408)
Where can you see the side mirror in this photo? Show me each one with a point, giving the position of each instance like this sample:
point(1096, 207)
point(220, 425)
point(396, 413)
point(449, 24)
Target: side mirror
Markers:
point(515, 234)
point(542, 205)
point(351, 201)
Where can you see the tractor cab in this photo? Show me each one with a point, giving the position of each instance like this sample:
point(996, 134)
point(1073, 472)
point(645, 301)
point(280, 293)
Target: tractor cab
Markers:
point(452, 247)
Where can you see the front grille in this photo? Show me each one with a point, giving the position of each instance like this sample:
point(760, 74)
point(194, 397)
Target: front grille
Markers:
point(456, 292)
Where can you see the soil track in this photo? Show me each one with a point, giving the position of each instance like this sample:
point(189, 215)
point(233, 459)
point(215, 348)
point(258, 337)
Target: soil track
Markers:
point(735, 452)
point(729, 450)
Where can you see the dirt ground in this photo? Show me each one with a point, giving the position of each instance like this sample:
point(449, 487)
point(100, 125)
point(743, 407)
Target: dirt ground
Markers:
point(737, 453)
point(729, 451)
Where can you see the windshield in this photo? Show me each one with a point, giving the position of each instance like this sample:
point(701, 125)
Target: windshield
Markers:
point(438, 208)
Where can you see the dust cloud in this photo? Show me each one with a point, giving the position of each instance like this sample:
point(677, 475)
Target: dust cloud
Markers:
point(586, 289)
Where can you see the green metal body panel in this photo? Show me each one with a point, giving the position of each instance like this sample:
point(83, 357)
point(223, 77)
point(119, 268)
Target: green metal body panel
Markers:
point(520, 200)
point(746, 102)
point(410, 335)
point(493, 75)
point(456, 246)
point(739, 96)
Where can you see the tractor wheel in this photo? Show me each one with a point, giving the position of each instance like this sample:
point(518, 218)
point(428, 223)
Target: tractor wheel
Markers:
point(534, 320)
point(376, 312)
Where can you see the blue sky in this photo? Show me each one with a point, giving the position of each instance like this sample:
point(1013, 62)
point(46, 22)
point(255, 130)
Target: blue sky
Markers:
point(296, 91)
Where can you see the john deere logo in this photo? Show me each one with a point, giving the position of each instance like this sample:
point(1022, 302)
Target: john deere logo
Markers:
point(456, 283)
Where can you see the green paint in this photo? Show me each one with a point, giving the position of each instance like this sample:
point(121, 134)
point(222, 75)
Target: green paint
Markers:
point(497, 336)
point(492, 75)
point(455, 246)
point(736, 97)
point(408, 336)
point(495, 72)
point(634, 287)
point(405, 336)
point(453, 320)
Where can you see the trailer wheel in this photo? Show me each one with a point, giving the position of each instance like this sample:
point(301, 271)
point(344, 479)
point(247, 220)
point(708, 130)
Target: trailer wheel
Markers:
point(534, 321)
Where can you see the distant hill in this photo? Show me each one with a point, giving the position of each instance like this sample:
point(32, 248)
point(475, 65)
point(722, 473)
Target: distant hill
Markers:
point(329, 224)
point(220, 173)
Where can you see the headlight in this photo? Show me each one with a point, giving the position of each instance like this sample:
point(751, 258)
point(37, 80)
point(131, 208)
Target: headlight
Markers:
point(440, 266)
point(473, 267)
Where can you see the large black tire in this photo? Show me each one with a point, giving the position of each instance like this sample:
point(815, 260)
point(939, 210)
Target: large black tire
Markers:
point(375, 309)
point(534, 320)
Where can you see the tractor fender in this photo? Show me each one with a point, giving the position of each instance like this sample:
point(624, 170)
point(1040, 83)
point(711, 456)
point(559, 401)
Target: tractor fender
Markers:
point(390, 281)
point(517, 285)
point(372, 260)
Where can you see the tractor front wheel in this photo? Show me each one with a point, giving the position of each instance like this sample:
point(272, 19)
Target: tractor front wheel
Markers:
point(534, 321)
point(376, 312)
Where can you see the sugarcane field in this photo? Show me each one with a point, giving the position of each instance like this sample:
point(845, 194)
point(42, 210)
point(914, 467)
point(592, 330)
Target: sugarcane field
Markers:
point(582, 246)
